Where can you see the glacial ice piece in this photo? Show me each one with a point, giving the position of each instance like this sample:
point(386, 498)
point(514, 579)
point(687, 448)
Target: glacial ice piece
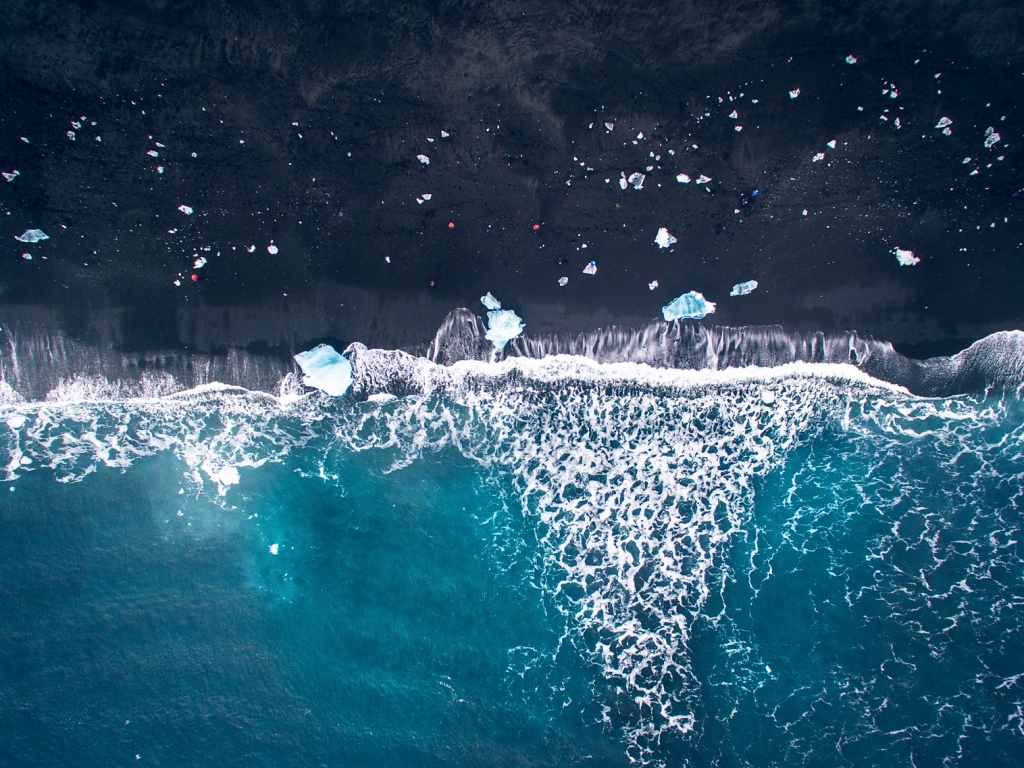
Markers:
point(991, 137)
point(742, 289)
point(490, 302)
point(503, 325)
point(325, 369)
point(851, 59)
point(652, 285)
point(637, 180)
point(906, 258)
point(943, 122)
point(663, 239)
point(187, 210)
point(32, 236)
point(682, 178)
point(423, 159)
point(12, 175)
point(563, 281)
point(590, 269)
point(622, 181)
point(794, 93)
point(689, 306)
point(199, 263)
point(702, 179)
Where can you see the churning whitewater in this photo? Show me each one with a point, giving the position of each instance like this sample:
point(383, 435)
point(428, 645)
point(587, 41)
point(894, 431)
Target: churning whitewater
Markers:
point(773, 566)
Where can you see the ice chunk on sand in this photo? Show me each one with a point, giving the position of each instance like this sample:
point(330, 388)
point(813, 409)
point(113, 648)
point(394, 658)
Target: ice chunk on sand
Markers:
point(199, 263)
point(689, 306)
point(503, 325)
point(905, 258)
point(609, 126)
point(794, 93)
point(663, 239)
point(944, 122)
point(652, 285)
point(622, 181)
point(702, 179)
point(423, 159)
point(851, 59)
point(991, 137)
point(742, 289)
point(32, 236)
point(682, 178)
point(12, 175)
point(490, 302)
point(185, 209)
point(637, 180)
point(325, 369)
point(590, 269)
point(563, 281)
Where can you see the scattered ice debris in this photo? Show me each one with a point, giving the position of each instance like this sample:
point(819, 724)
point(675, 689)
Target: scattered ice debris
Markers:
point(430, 140)
point(32, 236)
point(898, 124)
point(636, 180)
point(590, 269)
point(905, 258)
point(991, 137)
point(689, 306)
point(153, 153)
point(609, 126)
point(325, 369)
point(12, 175)
point(187, 210)
point(490, 302)
point(734, 114)
point(199, 263)
point(702, 179)
point(831, 144)
point(274, 549)
point(794, 93)
point(664, 239)
point(966, 160)
point(742, 289)
point(682, 178)
point(27, 256)
point(851, 59)
point(423, 159)
point(445, 134)
point(652, 285)
point(272, 249)
point(563, 281)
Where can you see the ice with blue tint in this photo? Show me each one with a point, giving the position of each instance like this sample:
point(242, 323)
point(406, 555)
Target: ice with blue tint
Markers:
point(742, 289)
point(689, 306)
point(490, 302)
point(325, 369)
point(32, 236)
point(503, 325)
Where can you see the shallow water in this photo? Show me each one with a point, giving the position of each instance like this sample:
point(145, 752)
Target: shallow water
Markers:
point(553, 562)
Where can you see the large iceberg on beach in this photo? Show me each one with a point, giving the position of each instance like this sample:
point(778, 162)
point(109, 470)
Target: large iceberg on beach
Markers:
point(325, 369)
point(689, 306)
point(503, 325)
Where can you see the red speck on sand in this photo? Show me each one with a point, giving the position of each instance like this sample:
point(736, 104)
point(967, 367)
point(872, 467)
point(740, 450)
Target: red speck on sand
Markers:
point(536, 227)
point(195, 278)
point(451, 225)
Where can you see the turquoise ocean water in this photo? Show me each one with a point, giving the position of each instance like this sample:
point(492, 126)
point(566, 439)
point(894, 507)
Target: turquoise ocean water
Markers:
point(551, 563)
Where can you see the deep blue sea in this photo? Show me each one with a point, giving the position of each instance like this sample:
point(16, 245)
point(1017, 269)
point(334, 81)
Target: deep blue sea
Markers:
point(552, 563)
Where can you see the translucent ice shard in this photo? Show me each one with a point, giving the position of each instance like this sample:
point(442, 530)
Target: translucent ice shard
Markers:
point(423, 159)
point(689, 306)
point(742, 289)
point(12, 175)
point(905, 258)
point(590, 269)
point(702, 179)
point(490, 302)
point(944, 122)
point(503, 325)
point(637, 180)
point(682, 178)
point(32, 236)
point(663, 239)
point(185, 209)
point(794, 93)
point(991, 137)
point(563, 281)
point(851, 59)
point(325, 369)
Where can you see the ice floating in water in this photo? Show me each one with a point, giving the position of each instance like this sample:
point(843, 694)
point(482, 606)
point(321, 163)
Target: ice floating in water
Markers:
point(689, 306)
point(794, 93)
point(32, 236)
point(490, 302)
point(637, 180)
point(991, 137)
point(663, 239)
point(590, 269)
point(185, 209)
point(274, 549)
point(682, 178)
point(742, 289)
point(503, 325)
point(325, 369)
point(563, 281)
point(943, 122)
point(905, 258)
point(423, 159)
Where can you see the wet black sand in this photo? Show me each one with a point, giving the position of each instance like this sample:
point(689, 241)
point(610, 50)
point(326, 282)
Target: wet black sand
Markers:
point(306, 120)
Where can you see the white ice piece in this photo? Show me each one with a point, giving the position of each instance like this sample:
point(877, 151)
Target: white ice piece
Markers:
point(652, 285)
point(944, 122)
point(153, 153)
point(563, 281)
point(71, 135)
point(27, 256)
point(991, 137)
point(905, 258)
point(851, 59)
point(664, 239)
point(682, 178)
point(637, 180)
point(427, 196)
point(490, 302)
point(817, 157)
point(272, 249)
point(324, 368)
point(590, 269)
point(251, 249)
point(503, 325)
point(12, 175)
point(794, 93)
point(742, 289)
point(199, 263)
point(734, 114)
point(831, 144)
point(622, 181)
point(702, 179)
point(640, 136)
point(32, 236)
point(689, 306)
point(609, 126)
point(423, 159)
point(185, 209)
point(274, 549)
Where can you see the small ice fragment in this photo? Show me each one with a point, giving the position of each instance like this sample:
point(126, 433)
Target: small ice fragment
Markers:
point(71, 135)
point(622, 181)
point(609, 126)
point(898, 124)
point(947, 132)
point(742, 289)
point(652, 285)
point(430, 140)
point(199, 263)
point(817, 157)
point(702, 179)
point(637, 180)
point(689, 306)
point(27, 256)
point(272, 249)
point(185, 209)
point(851, 59)
point(25, 140)
point(503, 325)
point(682, 178)
point(12, 175)
point(734, 114)
point(251, 249)
point(99, 138)
point(805, 212)
point(427, 196)
point(153, 153)
point(991, 137)
point(16, 422)
point(195, 154)
point(490, 302)
point(563, 281)
point(663, 239)
point(419, 200)
point(273, 549)
point(445, 134)
point(159, 144)
point(640, 136)
point(423, 159)
point(32, 236)
point(966, 160)
point(905, 258)
point(794, 93)
point(590, 269)
point(943, 122)
point(831, 144)
point(325, 369)
point(159, 169)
